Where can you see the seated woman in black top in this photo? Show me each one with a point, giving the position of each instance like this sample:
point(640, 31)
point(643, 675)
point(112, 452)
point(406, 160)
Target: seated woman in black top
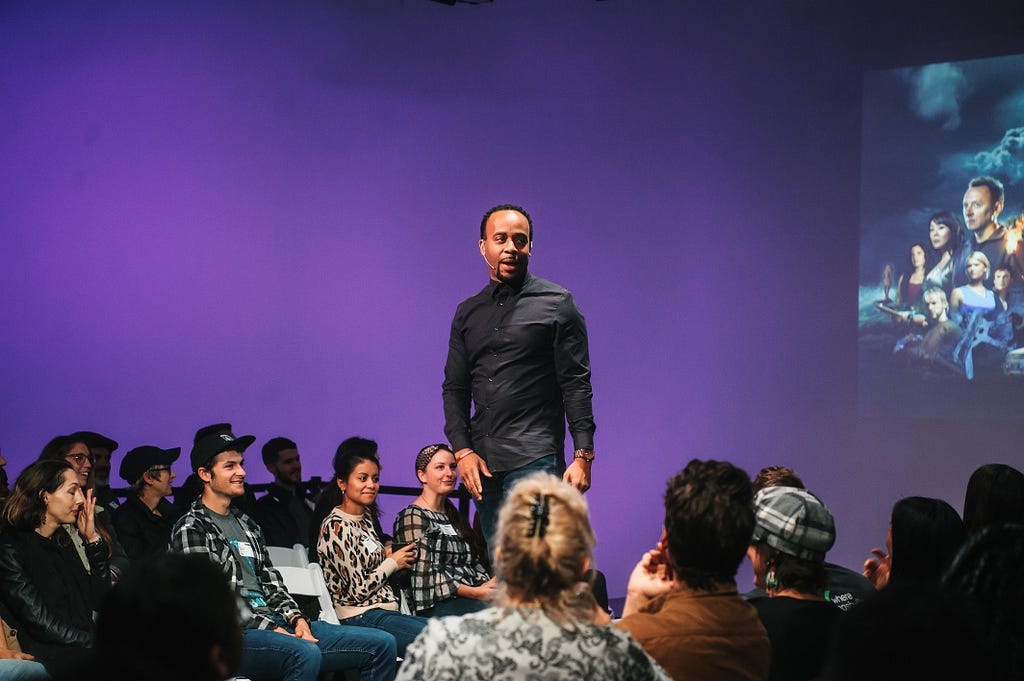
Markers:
point(45, 591)
point(793, 532)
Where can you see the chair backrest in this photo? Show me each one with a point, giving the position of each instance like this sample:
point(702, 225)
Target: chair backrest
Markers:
point(282, 556)
point(309, 581)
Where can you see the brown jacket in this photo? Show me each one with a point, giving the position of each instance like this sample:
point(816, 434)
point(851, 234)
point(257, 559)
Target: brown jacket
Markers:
point(707, 635)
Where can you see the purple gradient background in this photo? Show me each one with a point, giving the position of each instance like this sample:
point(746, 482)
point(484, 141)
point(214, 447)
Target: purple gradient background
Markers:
point(266, 213)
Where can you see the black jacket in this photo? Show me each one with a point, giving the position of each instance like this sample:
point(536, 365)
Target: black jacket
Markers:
point(141, 532)
point(46, 593)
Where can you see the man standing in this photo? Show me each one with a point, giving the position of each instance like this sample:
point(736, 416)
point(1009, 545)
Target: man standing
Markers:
point(284, 512)
point(278, 641)
point(518, 350)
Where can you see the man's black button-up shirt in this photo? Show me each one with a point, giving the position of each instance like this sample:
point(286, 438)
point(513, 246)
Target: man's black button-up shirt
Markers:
point(521, 356)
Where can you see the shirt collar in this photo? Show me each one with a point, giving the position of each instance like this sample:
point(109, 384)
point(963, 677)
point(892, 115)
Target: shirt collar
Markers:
point(500, 289)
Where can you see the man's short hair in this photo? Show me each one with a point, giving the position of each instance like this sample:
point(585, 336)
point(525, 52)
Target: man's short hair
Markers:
point(995, 187)
point(777, 476)
point(275, 447)
point(505, 206)
point(709, 519)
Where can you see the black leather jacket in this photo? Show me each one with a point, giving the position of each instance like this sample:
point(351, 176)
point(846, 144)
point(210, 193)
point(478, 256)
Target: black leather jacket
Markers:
point(46, 593)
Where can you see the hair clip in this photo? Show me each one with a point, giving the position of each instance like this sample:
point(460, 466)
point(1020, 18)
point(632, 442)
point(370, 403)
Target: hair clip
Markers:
point(539, 513)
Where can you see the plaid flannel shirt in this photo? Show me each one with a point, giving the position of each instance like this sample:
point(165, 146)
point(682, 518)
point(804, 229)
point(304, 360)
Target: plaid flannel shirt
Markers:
point(195, 532)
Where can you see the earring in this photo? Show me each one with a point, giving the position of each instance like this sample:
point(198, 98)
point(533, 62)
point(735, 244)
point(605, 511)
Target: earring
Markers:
point(771, 582)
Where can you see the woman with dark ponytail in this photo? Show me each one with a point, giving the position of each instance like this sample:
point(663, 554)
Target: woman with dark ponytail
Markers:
point(546, 623)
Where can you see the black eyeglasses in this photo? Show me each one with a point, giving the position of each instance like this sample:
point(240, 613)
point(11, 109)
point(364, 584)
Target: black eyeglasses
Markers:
point(81, 458)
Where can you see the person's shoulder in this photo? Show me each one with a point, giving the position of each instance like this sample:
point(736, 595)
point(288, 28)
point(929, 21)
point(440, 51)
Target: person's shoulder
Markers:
point(536, 284)
point(412, 510)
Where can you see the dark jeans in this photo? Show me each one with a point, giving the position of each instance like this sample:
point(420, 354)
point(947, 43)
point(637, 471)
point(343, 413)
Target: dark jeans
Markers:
point(405, 628)
point(456, 605)
point(268, 654)
point(493, 491)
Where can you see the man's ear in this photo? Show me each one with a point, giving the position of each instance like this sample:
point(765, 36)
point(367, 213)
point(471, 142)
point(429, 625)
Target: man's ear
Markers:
point(204, 474)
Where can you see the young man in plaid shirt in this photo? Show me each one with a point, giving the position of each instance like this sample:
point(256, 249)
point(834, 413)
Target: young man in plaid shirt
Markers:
point(278, 641)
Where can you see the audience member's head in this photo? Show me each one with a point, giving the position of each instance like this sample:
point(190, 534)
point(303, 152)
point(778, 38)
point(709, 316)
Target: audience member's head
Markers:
point(709, 519)
point(281, 457)
point(72, 450)
point(168, 619)
point(777, 476)
point(544, 547)
point(356, 446)
point(204, 453)
point(924, 534)
point(149, 467)
point(4, 481)
point(995, 495)
point(101, 447)
point(908, 631)
point(793, 532)
point(33, 499)
point(987, 570)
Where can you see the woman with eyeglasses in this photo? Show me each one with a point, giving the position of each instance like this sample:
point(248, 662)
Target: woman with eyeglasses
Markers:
point(76, 454)
point(48, 594)
point(145, 520)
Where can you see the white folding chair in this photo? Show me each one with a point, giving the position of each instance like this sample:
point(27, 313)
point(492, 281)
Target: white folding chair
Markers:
point(282, 556)
point(309, 581)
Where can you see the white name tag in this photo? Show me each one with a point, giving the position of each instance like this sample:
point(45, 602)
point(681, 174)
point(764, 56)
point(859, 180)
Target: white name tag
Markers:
point(370, 544)
point(448, 530)
point(245, 550)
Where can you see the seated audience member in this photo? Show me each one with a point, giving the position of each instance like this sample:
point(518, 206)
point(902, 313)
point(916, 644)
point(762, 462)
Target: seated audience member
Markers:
point(843, 587)
point(995, 495)
point(908, 631)
point(171, 618)
point(987, 571)
point(46, 593)
point(546, 624)
point(285, 510)
point(449, 576)
point(681, 601)
point(331, 495)
point(193, 486)
point(356, 563)
point(924, 535)
point(75, 452)
point(144, 521)
point(278, 642)
point(793, 533)
point(16, 665)
point(101, 447)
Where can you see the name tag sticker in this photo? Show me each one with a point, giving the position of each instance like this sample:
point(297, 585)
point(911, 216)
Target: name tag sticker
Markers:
point(448, 530)
point(245, 550)
point(370, 544)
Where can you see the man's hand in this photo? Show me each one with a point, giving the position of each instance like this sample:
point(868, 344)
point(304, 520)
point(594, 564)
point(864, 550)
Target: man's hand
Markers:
point(578, 474)
point(471, 467)
point(650, 578)
point(877, 569)
point(302, 630)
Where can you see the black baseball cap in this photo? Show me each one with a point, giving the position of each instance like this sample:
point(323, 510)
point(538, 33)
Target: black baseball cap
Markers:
point(212, 445)
point(141, 459)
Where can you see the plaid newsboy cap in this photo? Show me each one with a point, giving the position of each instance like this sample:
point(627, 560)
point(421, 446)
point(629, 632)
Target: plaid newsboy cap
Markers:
point(793, 521)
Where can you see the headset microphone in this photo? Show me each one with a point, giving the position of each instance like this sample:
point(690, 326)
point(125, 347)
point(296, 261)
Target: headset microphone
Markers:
point(489, 263)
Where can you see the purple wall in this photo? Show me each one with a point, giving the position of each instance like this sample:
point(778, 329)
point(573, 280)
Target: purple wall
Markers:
point(266, 213)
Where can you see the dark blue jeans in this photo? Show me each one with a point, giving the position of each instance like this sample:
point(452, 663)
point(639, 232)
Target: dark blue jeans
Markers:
point(456, 605)
point(269, 655)
point(493, 491)
point(405, 628)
